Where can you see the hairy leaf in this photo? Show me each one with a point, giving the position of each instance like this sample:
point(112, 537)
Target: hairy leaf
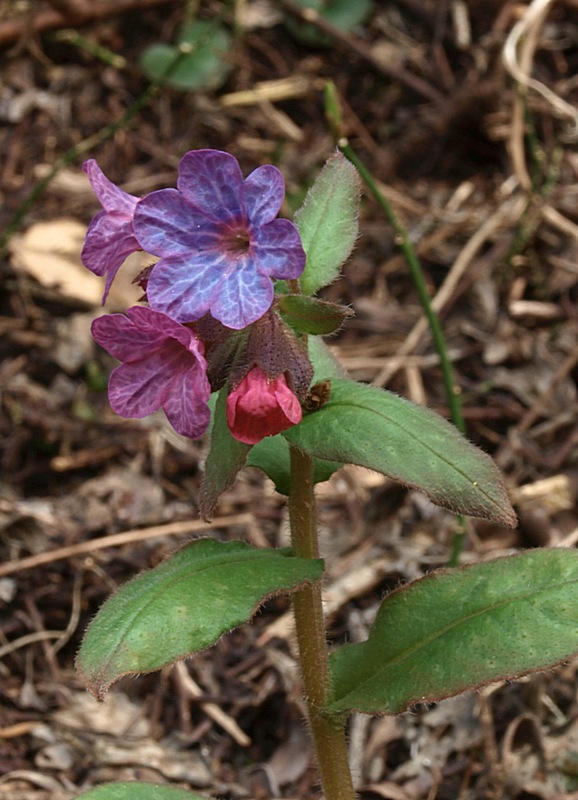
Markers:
point(325, 364)
point(411, 444)
point(460, 629)
point(183, 606)
point(272, 456)
point(226, 457)
point(311, 315)
point(327, 222)
point(135, 790)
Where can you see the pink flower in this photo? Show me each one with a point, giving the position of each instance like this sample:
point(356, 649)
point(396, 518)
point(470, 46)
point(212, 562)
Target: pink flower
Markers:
point(110, 237)
point(261, 407)
point(164, 367)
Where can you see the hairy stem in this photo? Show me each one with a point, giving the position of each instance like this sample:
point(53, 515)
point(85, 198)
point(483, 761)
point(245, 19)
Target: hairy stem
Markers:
point(328, 734)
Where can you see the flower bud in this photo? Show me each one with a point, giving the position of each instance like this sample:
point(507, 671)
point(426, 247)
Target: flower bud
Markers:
point(260, 407)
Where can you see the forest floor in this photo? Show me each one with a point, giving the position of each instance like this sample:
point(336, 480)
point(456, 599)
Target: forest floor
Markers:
point(465, 113)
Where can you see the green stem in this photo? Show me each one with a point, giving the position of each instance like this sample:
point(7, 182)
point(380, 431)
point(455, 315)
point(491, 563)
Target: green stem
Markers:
point(417, 276)
point(328, 734)
point(458, 542)
point(333, 111)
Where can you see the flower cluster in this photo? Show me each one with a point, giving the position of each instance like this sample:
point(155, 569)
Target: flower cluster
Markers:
point(220, 246)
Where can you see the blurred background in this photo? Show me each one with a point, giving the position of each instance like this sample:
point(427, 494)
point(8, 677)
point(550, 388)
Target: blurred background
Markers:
point(466, 115)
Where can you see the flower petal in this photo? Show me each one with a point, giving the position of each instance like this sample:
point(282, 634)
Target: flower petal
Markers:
point(149, 321)
point(288, 402)
point(244, 297)
point(164, 367)
point(263, 193)
point(109, 240)
point(184, 288)
point(110, 237)
point(186, 403)
point(212, 180)
point(166, 224)
point(278, 250)
point(217, 238)
point(123, 339)
point(110, 196)
point(138, 389)
point(259, 407)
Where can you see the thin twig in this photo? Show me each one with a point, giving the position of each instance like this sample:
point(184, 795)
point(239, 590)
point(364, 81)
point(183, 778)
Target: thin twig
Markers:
point(50, 19)
point(212, 710)
point(357, 46)
point(519, 66)
point(509, 211)
point(29, 638)
point(119, 539)
point(504, 453)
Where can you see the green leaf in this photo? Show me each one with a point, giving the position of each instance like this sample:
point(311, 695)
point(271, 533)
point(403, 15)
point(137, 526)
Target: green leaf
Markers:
point(325, 365)
point(202, 68)
point(184, 605)
point(327, 222)
point(135, 790)
point(342, 14)
point(460, 629)
point(272, 456)
point(411, 444)
point(226, 457)
point(311, 315)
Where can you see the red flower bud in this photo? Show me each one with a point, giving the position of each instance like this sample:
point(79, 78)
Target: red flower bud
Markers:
point(260, 407)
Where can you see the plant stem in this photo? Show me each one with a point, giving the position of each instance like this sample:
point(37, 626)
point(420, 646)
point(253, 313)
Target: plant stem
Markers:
point(417, 276)
point(333, 112)
point(327, 733)
point(403, 241)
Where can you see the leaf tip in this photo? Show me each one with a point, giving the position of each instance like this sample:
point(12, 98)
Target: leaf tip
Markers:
point(510, 516)
point(207, 505)
point(94, 683)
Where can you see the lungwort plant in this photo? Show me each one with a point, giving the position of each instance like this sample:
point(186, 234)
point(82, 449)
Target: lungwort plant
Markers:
point(229, 340)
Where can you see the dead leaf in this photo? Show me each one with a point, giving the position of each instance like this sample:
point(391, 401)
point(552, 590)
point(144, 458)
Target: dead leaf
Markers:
point(50, 253)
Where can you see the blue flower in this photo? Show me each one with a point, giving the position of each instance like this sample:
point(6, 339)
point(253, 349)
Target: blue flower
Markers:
point(218, 240)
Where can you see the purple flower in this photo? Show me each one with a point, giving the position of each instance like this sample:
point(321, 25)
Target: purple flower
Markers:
point(164, 367)
point(110, 237)
point(218, 240)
